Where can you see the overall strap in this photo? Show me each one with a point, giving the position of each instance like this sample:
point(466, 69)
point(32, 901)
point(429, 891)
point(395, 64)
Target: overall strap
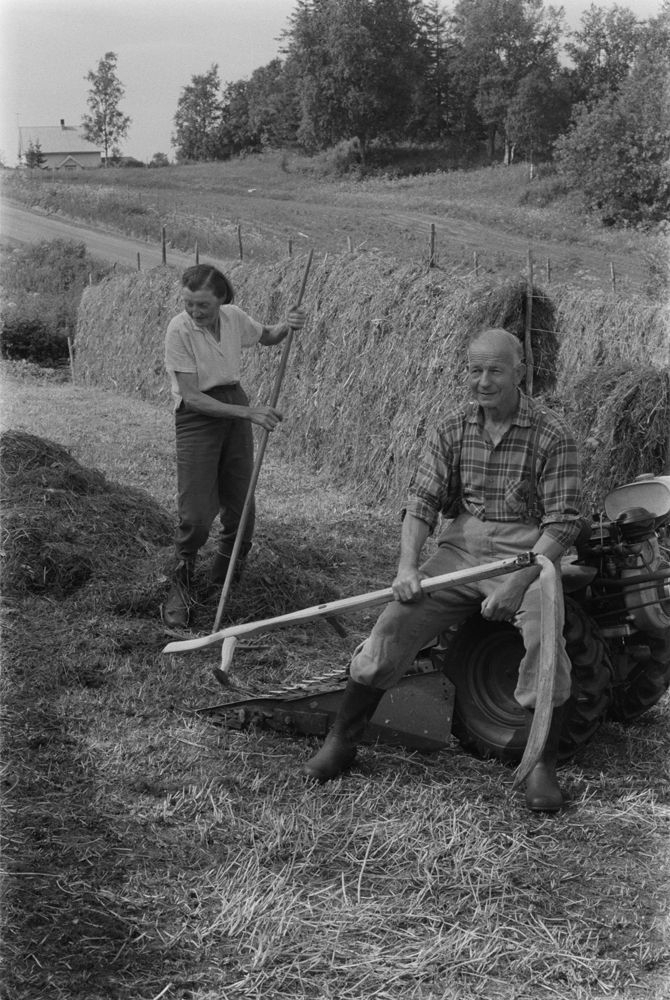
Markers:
point(531, 507)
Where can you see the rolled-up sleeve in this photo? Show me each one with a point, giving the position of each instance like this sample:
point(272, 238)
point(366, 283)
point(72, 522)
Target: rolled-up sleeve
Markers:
point(430, 487)
point(561, 491)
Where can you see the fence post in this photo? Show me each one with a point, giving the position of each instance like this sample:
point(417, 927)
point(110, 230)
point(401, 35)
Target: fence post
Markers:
point(349, 246)
point(528, 344)
point(163, 246)
point(612, 276)
point(475, 258)
point(431, 259)
point(70, 351)
point(139, 266)
point(290, 247)
point(548, 271)
point(239, 239)
point(197, 253)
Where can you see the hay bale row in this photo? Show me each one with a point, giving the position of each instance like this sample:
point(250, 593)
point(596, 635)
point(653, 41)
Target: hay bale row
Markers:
point(599, 329)
point(120, 327)
point(383, 354)
point(621, 417)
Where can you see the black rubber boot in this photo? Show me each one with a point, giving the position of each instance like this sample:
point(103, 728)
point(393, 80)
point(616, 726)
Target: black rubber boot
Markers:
point(177, 606)
point(542, 791)
point(339, 748)
point(219, 569)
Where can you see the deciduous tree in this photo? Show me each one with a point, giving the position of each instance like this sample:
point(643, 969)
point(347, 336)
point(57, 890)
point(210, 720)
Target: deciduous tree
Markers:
point(500, 42)
point(616, 152)
point(602, 50)
point(356, 63)
point(33, 156)
point(106, 125)
point(198, 119)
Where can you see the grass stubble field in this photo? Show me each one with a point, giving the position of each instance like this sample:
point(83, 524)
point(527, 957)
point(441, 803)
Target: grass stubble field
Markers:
point(148, 853)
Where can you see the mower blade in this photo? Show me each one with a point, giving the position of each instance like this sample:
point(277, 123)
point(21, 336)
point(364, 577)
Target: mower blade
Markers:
point(416, 714)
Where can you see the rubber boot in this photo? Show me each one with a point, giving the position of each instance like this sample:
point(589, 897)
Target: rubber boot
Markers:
point(219, 569)
point(177, 606)
point(339, 748)
point(542, 791)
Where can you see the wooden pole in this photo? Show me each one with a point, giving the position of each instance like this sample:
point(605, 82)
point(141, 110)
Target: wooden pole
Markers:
point(290, 247)
point(431, 259)
point(528, 344)
point(70, 351)
point(139, 266)
point(239, 239)
point(548, 271)
point(612, 276)
point(163, 246)
point(349, 245)
point(258, 460)
point(197, 253)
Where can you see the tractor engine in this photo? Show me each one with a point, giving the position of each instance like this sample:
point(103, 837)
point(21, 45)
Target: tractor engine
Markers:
point(627, 547)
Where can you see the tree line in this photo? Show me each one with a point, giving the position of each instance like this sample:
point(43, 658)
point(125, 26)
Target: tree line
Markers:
point(482, 77)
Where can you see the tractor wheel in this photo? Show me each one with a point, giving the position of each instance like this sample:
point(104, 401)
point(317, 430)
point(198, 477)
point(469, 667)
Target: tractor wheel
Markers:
point(482, 661)
point(646, 682)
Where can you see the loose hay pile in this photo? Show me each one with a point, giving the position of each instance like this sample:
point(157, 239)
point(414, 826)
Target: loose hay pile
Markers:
point(64, 525)
point(100, 554)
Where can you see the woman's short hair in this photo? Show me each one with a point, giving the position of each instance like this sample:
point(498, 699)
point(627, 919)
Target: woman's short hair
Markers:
point(202, 276)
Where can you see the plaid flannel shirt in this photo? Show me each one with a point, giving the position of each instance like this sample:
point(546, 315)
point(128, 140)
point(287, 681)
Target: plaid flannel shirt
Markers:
point(461, 470)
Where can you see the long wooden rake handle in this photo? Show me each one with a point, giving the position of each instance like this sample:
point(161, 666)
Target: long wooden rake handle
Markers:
point(356, 603)
point(244, 517)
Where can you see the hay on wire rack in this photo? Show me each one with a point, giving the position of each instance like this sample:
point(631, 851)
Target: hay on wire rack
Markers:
point(621, 418)
point(596, 328)
point(382, 356)
point(506, 306)
point(120, 329)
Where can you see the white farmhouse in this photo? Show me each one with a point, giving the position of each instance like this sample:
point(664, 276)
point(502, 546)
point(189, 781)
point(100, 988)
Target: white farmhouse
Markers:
point(62, 147)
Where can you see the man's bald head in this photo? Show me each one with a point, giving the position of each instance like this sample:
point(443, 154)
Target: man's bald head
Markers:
point(496, 341)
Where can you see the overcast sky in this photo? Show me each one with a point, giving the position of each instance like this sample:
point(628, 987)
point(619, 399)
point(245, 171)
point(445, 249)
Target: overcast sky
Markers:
point(47, 47)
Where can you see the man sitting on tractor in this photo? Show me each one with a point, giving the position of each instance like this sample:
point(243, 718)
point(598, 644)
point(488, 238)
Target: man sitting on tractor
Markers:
point(504, 471)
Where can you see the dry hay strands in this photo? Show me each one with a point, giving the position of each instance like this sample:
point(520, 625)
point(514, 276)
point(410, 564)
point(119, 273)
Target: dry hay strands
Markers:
point(121, 327)
point(596, 329)
point(63, 524)
point(505, 306)
point(621, 418)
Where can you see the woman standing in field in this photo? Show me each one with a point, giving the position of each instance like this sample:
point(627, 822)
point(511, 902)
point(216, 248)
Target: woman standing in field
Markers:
point(213, 421)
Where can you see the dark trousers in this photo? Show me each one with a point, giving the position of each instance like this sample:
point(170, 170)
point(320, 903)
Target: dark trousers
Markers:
point(215, 460)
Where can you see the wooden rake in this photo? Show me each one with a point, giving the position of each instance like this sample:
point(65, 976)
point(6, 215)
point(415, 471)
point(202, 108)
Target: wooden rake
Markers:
point(264, 435)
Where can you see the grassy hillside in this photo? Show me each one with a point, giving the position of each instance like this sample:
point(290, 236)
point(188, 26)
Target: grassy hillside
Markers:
point(278, 197)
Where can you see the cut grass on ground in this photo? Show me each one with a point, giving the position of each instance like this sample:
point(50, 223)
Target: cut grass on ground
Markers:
point(150, 853)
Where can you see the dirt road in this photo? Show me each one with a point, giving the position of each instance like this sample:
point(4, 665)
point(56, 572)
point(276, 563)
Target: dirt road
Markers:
point(20, 226)
point(330, 228)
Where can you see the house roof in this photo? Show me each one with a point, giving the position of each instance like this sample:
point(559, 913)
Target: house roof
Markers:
point(55, 139)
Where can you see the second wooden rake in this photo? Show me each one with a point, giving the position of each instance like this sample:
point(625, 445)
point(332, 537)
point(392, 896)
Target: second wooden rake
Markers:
point(249, 499)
